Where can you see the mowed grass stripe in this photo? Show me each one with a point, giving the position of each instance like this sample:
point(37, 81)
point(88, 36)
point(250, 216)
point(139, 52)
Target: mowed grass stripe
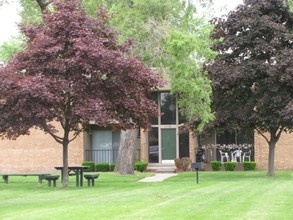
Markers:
point(219, 195)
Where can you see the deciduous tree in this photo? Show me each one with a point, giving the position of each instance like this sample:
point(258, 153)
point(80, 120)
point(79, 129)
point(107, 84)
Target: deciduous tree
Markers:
point(168, 37)
point(253, 73)
point(73, 72)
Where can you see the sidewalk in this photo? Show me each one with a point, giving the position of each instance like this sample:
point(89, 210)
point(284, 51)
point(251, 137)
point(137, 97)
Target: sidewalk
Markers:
point(158, 177)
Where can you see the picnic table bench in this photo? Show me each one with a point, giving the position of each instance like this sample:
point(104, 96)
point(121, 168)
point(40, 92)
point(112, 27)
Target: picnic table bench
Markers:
point(52, 178)
point(40, 176)
point(91, 178)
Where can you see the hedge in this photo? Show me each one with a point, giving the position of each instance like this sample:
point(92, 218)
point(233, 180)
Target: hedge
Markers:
point(249, 165)
point(91, 166)
point(140, 166)
point(102, 167)
point(216, 165)
point(230, 166)
point(111, 167)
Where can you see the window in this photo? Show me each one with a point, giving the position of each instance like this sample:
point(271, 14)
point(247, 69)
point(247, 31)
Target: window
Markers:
point(102, 140)
point(227, 137)
point(105, 145)
point(154, 145)
point(184, 144)
point(165, 142)
point(245, 136)
point(154, 97)
point(168, 108)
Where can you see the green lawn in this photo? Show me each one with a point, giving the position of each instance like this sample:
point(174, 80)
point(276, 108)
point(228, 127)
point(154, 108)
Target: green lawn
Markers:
point(219, 195)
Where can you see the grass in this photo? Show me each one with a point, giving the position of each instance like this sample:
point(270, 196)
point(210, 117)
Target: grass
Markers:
point(219, 195)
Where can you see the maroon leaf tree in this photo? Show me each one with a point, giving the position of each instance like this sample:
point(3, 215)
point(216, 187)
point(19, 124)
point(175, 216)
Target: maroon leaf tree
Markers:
point(253, 73)
point(73, 72)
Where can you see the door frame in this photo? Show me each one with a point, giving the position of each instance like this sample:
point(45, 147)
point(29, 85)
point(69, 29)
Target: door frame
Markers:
point(161, 126)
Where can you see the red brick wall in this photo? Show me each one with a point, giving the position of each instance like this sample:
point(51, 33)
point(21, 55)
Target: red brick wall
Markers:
point(37, 152)
point(283, 152)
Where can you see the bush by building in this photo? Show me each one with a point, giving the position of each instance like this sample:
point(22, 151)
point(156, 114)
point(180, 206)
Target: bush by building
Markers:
point(216, 165)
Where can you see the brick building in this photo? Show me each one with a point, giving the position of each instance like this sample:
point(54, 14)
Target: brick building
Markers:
point(164, 142)
point(283, 152)
point(37, 152)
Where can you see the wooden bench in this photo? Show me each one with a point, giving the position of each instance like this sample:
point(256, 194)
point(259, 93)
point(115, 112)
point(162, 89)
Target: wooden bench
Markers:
point(40, 176)
point(51, 178)
point(91, 178)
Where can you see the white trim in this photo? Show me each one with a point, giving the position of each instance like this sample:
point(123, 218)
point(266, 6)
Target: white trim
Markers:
point(168, 162)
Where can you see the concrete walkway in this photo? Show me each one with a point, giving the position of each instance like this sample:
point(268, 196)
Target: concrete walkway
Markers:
point(158, 177)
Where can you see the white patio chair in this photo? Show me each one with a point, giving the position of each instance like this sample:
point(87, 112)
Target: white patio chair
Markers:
point(223, 156)
point(236, 155)
point(246, 155)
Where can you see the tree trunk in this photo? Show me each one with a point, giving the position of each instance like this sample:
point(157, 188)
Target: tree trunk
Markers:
point(275, 135)
point(65, 165)
point(127, 148)
point(271, 162)
point(65, 158)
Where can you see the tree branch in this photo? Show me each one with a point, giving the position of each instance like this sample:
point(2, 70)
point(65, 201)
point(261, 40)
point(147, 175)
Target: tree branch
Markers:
point(56, 138)
point(258, 131)
point(74, 136)
point(279, 133)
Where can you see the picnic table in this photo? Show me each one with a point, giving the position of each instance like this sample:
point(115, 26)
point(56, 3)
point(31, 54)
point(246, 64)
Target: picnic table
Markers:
point(76, 170)
point(40, 176)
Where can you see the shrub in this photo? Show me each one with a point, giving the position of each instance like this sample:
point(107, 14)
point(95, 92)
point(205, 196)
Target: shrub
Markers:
point(216, 165)
point(182, 163)
point(249, 165)
point(230, 166)
point(140, 166)
point(91, 166)
point(111, 167)
point(102, 167)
